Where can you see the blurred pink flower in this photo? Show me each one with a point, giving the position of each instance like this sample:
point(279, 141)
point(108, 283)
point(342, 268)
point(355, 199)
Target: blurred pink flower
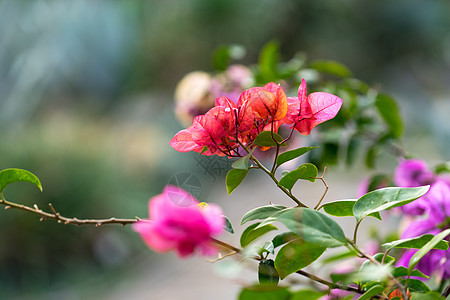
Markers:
point(177, 222)
point(231, 82)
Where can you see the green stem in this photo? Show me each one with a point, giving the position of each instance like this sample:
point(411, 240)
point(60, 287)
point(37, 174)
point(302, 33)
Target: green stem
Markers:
point(271, 175)
point(332, 285)
point(356, 230)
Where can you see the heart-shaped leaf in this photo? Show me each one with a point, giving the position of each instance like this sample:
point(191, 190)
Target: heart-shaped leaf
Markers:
point(386, 198)
point(234, 179)
point(261, 213)
point(306, 172)
point(344, 208)
point(251, 233)
point(296, 255)
point(312, 226)
point(242, 163)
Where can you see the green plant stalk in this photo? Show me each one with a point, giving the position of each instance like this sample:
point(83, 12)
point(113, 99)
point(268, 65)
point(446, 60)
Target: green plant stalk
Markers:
point(272, 176)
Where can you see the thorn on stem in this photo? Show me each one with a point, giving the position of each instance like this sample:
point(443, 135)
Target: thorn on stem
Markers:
point(7, 207)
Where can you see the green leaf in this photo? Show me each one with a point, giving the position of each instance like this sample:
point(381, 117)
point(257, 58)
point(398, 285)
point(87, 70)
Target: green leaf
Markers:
point(374, 290)
point(283, 238)
point(221, 58)
point(289, 155)
point(251, 233)
point(331, 67)
point(426, 248)
point(370, 157)
point(339, 256)
point(312, 226)
point(223, 54)
point(386, 198)
point(426, 296)
point(268, 59)
point(264, 139)
point(353, 147)
point(415, 243)
point(296, 255)
point(415, 285)
point(402, 271)
point(306, 172)
point(268, 247)
point(344, 208)
point(265, 292)
point(260, 213)
point(442, 168)
point(242, 163)
point(9, 176)
point(388, 110)
point(227, 226)
point(267, 274)
point(307, 295)
point(234, 179)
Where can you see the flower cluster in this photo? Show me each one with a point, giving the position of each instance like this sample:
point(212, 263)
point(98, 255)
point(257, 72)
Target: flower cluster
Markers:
point(430, 213)
point(178, 222)
point(228, 125)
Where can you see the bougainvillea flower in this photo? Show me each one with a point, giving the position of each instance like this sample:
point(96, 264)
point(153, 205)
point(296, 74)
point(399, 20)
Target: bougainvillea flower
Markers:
point(435, 262)
point(398, 293)
point(437, 207)
point(305, 112)
point(183, 142)
point(412, 172)
point(224, 127)
point(268, 101)
point(178, 223)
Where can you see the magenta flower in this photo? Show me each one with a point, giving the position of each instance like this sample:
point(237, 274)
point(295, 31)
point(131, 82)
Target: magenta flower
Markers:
point(412, 173)
point(177, 222)
point(437, 202)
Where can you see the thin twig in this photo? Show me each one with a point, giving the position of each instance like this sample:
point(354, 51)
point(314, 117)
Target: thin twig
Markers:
point(332, 285)
point(65, 220)
point(326, 188)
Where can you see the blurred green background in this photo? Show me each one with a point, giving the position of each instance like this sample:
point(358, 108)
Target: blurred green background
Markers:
point(86, 103)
